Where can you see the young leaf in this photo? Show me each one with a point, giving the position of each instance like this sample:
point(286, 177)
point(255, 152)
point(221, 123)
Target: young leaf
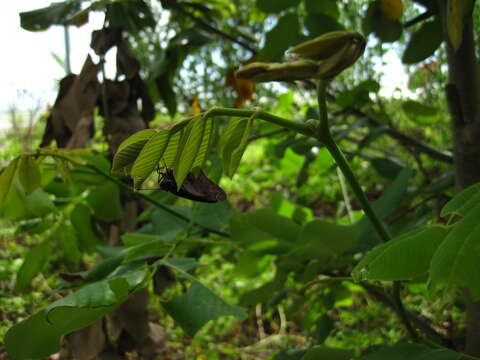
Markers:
point(29, 174)
point(6, 179)
point(231, 139)
point(32, 264)
point(149, 156)
point(204, 148)
point(455, 263)
point(240, 149)
point(129, 149)
point(198, 306)
point(403, 258)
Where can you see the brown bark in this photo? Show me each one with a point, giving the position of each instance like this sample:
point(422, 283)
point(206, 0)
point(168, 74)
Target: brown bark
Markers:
point(463, 97)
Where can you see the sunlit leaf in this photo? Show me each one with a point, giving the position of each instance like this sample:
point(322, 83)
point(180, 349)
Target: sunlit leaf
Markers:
point(150, 156)
point(406, 257)
point(129, 149)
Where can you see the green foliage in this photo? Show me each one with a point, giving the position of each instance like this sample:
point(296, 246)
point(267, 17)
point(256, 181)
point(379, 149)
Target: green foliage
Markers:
point(280, 38)
point(412, 351)
point(275, 6)
point(424, 42)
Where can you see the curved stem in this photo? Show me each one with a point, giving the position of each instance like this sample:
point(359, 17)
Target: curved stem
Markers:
point(324, 135)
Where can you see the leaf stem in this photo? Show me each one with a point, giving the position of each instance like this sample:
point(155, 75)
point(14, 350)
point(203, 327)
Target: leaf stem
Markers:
point(323, 134)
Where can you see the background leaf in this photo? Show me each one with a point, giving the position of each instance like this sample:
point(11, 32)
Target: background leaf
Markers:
point(280, 38)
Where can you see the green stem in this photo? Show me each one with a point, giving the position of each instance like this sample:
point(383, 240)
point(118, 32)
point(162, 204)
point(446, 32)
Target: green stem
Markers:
point(323, 134)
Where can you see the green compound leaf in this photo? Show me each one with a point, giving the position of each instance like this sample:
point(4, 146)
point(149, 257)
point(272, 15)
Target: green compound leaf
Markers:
point(455, 263)
point(406, 257)
point(29, 174)
point(198, 306)
point(463, 201)
point(129, 149)
point(6, 179)
point(149, 156)
point(199, 134)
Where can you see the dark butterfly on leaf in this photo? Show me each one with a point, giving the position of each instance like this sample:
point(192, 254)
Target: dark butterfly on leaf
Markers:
point(196, 187)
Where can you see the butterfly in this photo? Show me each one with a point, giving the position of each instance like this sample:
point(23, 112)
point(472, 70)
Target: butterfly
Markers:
point(196, 187)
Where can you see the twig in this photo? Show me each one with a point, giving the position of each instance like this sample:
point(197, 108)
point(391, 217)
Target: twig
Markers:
point(175, 6)
point(423, 16)
point(406, 140)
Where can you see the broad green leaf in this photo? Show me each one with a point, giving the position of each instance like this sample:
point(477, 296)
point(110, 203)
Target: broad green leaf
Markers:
point(275, 6)
point(198, 306)
point(6, 179)
point(414, 108)
point(44, 330)
point(237, 153)
point(148, 249)
point(149, 156)
point(264, 231)
point(385, 30)
point(81, 219)
point(190, 150)
point(463, 201)
point(205, 144)
point(319, 24)
point(29, 174)
point(411, 351)
point(323, 327)
point(455, 263)
point(33, 263)
point(54, 14)
point(327, 7)
point(280, 38)
point(214, 216)
point(327, 353)
point(129, 149)
point(181, 264)
point(68, 243)
point(167, 225)
point(230, 140)
point(137, 238)
point(423, 42)
point(105, 202)
point(320, 238)
point(406, 257)
point(19, 206)
point(387, 167)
